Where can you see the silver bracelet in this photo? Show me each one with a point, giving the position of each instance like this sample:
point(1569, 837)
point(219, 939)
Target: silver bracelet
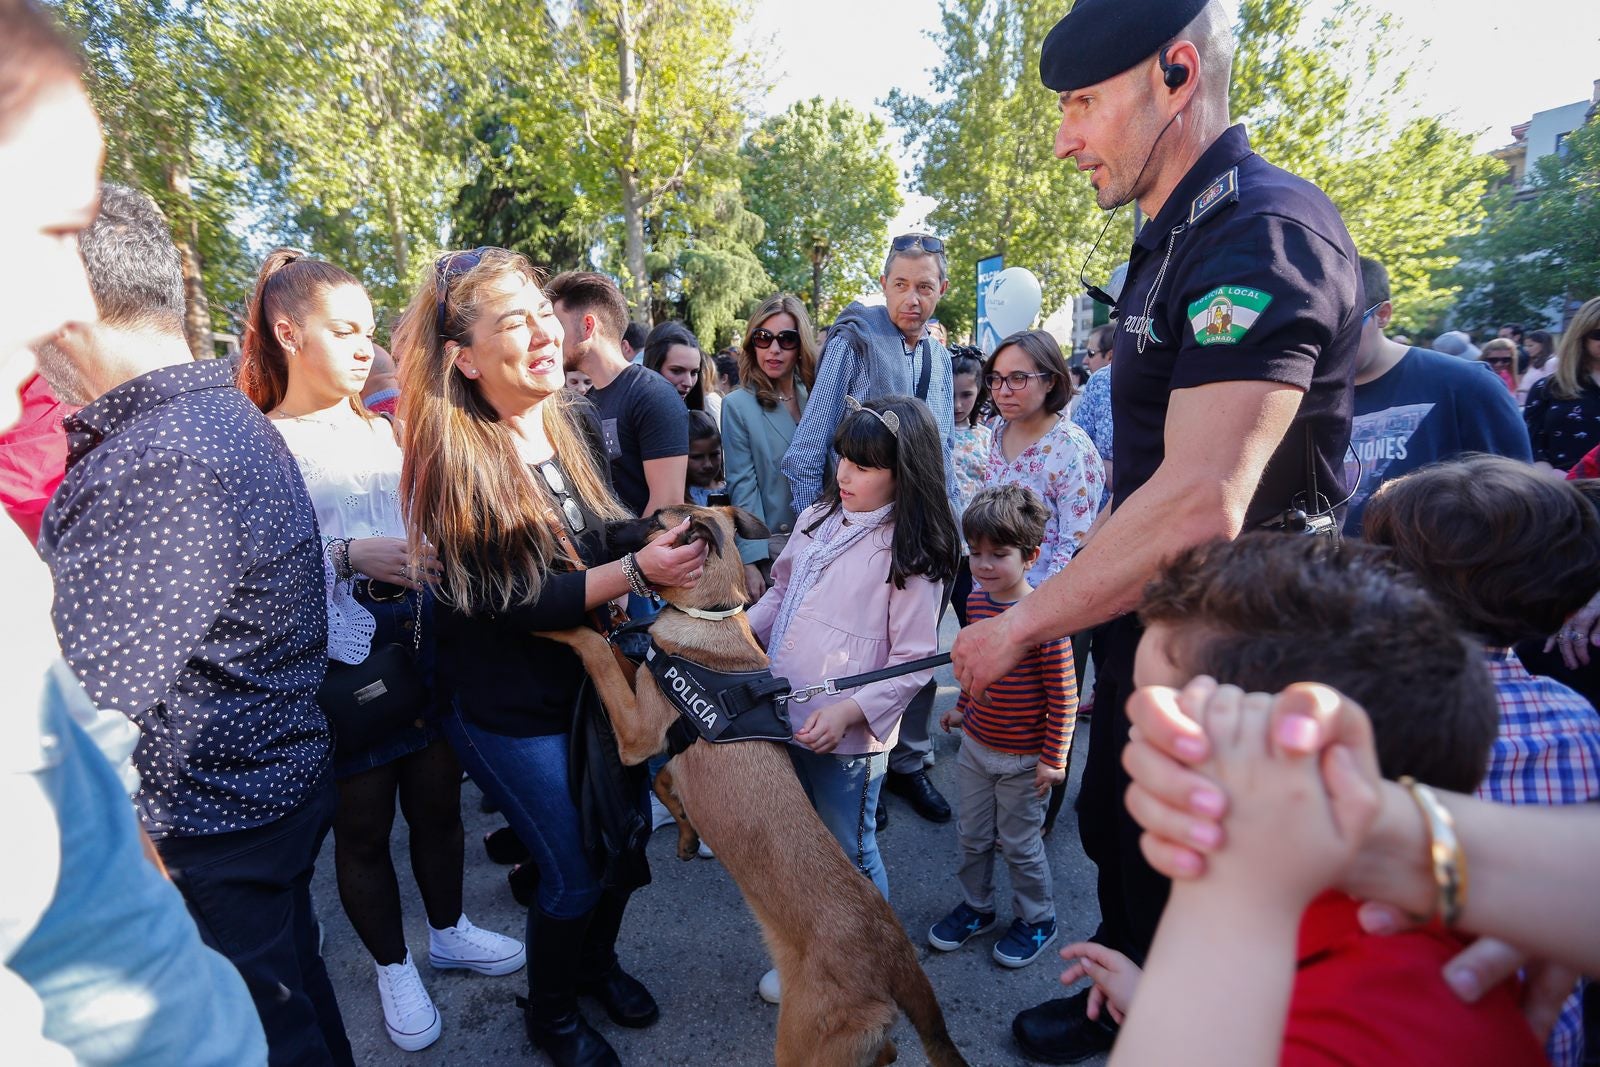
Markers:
point(339, 553)
point(635, 576)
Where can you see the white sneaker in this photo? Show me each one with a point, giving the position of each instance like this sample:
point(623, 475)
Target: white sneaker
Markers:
point(408, 1012)
point(705, 851)
point(768, 987)
point(466, 946)
point(659, 815)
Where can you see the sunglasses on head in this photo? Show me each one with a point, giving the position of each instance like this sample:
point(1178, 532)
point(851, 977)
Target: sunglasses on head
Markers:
point(926, 242)
point(448, 267)
point(788, 340)
point(1592, 335)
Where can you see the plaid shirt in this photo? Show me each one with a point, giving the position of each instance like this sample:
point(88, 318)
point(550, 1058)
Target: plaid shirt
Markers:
point(1547, 752)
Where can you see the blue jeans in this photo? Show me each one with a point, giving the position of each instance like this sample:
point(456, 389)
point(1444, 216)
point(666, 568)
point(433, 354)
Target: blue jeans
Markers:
point(115, 959)
point(844, 790)
point(527, 777)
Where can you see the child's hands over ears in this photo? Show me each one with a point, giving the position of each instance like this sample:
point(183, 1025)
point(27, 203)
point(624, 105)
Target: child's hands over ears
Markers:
point(952, 719)
point(825, 729)
point(1115, 977)
point(1046, 777)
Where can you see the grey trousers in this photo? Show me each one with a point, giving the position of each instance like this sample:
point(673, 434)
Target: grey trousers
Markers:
point(996, 806)
point(914, 749)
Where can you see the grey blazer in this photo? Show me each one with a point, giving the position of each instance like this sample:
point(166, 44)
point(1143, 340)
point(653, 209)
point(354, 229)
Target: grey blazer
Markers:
point(753, 443)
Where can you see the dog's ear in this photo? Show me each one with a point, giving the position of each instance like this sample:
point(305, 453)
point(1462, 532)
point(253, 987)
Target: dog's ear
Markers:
point(630, 535)
point(703, 529)
point(747, 525)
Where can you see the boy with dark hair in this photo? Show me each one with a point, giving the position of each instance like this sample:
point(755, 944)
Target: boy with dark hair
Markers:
point(1267, 611)
point(1015, 741)
point(1511, 553)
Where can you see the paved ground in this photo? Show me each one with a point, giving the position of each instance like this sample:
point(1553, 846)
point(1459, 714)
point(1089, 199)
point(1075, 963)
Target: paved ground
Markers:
point(690, 938)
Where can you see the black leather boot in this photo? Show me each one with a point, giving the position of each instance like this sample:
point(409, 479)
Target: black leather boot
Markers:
point(601, 976)
point(551, 1014)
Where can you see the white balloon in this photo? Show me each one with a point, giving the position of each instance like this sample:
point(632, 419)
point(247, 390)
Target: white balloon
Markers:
point(1013, 300)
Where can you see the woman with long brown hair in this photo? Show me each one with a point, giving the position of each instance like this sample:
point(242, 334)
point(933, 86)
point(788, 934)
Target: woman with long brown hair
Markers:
point(505, 473)
point(1563, 410)
point(777, 364)
point(307, 351)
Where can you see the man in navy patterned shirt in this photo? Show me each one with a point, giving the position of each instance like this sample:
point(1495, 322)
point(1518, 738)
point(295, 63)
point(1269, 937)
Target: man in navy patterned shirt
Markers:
point(189, 596)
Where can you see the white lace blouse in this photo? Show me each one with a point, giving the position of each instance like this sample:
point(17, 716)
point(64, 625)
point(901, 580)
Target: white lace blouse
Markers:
point(351, 467)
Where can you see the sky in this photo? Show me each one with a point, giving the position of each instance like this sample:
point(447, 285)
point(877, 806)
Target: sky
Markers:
point(1483, 65)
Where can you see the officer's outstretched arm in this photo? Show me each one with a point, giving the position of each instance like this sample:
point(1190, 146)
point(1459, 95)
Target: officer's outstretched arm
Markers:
point(1219, 438)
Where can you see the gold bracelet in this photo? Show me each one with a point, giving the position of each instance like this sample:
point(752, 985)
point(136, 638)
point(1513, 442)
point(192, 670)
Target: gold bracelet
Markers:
point(1444, 851)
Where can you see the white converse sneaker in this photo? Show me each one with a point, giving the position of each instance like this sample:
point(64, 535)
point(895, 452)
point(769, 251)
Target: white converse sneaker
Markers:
point(408, 1012)
point(768, 989)
point(464, 945)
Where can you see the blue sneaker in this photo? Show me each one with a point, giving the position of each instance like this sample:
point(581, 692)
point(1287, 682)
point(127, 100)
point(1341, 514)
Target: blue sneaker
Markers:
point(1023, 943)
point(959, 927)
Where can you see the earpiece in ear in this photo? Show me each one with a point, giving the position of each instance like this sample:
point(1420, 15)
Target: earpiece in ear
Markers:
point(1173, 75)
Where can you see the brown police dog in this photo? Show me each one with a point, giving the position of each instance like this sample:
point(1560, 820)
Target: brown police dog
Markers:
point(842, 978)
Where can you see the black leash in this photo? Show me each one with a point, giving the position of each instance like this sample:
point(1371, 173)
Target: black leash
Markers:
point(832, 686)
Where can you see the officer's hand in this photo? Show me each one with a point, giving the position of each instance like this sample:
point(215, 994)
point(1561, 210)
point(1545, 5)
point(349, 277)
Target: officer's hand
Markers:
point(984, 653)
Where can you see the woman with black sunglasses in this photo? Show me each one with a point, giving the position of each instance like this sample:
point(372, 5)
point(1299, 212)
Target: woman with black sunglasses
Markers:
point(1563, 410)
point(777, 365)
point(506, 472)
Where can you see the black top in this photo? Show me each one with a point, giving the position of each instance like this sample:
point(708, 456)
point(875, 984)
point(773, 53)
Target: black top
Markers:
point(189, 596)
point(504, 679)
point(1262, 285)
point(643, 417)
point(1562, 431)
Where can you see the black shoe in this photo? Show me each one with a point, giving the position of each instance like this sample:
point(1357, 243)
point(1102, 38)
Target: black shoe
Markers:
point(524, 882)
point(924, 798)
point(624, 997)
point(504, 846)
point(881, 817)
point(565, 1036)
point(1060, 1031)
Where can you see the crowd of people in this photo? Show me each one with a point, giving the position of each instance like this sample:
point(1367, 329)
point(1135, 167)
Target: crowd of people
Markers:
point(262, 599)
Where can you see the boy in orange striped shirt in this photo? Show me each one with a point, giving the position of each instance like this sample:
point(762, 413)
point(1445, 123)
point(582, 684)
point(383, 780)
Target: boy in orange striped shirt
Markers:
point(1014, 742)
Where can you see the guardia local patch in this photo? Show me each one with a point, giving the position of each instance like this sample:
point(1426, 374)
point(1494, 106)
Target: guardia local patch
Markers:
point(1224, 315)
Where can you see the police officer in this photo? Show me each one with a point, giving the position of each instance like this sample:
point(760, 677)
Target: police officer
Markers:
point(1235, 349)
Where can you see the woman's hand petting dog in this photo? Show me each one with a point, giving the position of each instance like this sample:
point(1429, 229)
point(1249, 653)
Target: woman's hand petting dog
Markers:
point(825, 728)
point(667, 564)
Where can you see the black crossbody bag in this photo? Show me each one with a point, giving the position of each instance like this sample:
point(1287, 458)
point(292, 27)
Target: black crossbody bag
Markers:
point(366, 701)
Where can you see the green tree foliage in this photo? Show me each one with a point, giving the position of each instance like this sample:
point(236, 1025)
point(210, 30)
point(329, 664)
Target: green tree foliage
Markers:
point(986, 139)
point(151, 76)
point(824, 181)
point(1321, 104)
point(1537, 252)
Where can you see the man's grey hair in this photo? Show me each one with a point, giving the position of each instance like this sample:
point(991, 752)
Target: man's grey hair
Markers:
point(914, 252)
point(135, 271)
point(1212, 36)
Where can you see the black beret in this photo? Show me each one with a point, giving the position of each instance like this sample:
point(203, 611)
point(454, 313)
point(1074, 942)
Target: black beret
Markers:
point(1099, 39)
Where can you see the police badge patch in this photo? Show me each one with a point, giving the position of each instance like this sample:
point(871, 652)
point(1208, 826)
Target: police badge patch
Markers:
point(1224, 315)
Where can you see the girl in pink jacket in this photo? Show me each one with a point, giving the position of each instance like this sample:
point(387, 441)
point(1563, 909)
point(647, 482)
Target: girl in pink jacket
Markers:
point(858, 588)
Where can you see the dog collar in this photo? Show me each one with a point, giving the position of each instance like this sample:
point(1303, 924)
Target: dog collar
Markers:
point(711, 616)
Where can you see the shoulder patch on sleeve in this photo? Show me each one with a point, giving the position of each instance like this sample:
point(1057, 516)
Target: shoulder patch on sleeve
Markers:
point(1225, 314)
point(1225, 190)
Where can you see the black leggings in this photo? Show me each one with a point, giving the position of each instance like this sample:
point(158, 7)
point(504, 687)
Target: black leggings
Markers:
point(429, 786)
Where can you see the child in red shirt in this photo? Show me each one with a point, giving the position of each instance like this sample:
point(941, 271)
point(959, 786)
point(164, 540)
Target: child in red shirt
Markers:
point(1014, 744)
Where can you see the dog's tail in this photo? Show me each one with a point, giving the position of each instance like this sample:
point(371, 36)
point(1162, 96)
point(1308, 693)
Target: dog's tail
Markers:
point(909, 985)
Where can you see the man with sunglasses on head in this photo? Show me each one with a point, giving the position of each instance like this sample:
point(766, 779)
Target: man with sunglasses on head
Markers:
point(1415, 407)
point(875, 351)
point(1235, 348)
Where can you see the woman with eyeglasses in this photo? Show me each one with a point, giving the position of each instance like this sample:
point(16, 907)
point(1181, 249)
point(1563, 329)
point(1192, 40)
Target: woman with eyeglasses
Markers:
point(506, 473)
point(1037, 446)
point(1563, 410)
point(307, 352)
point(1500, 356)
point(777, 364)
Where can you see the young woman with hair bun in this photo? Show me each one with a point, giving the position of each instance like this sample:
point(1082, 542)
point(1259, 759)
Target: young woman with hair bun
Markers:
point(307, 352)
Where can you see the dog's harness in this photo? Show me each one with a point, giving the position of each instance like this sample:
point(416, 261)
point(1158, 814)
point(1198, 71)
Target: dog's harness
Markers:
point(727, 706)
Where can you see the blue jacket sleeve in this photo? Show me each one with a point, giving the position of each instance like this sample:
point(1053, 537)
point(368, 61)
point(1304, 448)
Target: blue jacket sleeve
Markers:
point(806, 461)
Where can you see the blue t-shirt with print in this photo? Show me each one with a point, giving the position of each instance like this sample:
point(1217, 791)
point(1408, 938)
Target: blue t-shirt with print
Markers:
point(1429, 407)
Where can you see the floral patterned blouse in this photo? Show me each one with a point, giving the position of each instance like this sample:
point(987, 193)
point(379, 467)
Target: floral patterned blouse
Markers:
point(970, 457)
point(1065, 470)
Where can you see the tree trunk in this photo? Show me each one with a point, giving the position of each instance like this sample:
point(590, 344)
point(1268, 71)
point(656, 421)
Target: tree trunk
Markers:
point(816, 288)
point(397, 237)
point(186, 235)
point(633, 206)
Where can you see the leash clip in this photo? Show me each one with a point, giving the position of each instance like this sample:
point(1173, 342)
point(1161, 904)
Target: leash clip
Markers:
point(800, 696)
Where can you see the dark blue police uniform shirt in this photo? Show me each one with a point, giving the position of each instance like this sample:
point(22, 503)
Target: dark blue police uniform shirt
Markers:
point(1261, 287)
point(190, 597)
